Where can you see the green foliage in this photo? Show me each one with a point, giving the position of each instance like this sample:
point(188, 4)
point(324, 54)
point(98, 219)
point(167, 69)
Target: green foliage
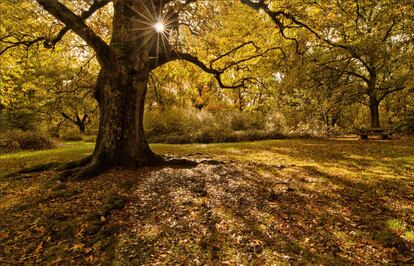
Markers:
point(38, 84)
point(22, 120)
point(313, 93)
point(246, 120)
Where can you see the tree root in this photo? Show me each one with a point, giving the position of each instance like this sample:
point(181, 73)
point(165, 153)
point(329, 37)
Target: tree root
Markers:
point(96, 167)
point(180, 162)
point(34, 169)
point(156, 159)
point(51, 166)
point(75, 164)
point(92, 169)
point(89, 167)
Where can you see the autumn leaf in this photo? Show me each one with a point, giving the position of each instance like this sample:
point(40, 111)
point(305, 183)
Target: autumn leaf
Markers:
point(90, 259)
point(77, 246)
point(38, 249)
point(4, 235)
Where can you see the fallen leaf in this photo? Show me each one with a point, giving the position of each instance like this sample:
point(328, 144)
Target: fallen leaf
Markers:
point(38, 249)
point(77, 246)
point(90, 259)
point(4, 235)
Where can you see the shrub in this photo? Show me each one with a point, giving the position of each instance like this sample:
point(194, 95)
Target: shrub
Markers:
point(178, 126)
point(71, 135)
point(34, 141)
point(176, 121)
point(15, 140)
point(24, 120)
point(89, 138)
point(246, 120)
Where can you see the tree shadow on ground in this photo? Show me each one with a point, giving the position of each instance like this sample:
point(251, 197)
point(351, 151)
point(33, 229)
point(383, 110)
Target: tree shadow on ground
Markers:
point(230, 214)
point(49, 222)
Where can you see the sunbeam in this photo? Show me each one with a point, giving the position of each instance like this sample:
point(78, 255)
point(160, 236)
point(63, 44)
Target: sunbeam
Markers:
point(153, 27)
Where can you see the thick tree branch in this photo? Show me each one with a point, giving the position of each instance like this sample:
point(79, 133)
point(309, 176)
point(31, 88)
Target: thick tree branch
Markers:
point(232, 51)
point(78, 26)
point(64, 115)
point(391, 91)
point(217, 72)
point(97, 4)
point(388, 33)
point(349, 72)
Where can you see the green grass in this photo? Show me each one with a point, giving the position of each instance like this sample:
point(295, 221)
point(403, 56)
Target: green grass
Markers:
point(390, 159)
point(373, 159)
point(401, 228)
point(12, 162)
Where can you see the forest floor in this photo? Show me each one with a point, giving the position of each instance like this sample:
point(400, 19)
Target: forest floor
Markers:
point(281, 202)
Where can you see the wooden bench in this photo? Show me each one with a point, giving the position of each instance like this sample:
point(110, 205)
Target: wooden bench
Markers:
point(384, 133)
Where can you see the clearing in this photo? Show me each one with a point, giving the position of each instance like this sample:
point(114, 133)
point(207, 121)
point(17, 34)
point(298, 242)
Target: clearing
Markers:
point(330, 201)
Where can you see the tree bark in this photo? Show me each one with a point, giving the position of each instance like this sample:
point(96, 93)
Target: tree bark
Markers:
point(374, 111)
point(121, 140)
point(120, 91)
point(122, 83)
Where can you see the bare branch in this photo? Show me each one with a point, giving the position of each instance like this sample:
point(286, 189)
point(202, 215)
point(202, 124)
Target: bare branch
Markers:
point(217, 73)
point(276, 17)
point(12, 44)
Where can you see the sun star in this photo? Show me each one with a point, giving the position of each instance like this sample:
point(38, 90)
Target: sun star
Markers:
point(159, 27)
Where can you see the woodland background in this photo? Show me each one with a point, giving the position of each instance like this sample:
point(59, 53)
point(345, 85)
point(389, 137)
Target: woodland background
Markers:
point(298, 86)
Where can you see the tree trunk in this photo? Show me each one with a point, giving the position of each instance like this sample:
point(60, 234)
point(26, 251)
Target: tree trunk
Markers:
point(81, 127)
point(374, 112)
point(121, 90)
point(121, 140)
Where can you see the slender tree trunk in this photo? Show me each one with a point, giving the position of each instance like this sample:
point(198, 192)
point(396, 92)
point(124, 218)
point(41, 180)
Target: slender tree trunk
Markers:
point(240, 96)
point(374, 111)
point(82, 129)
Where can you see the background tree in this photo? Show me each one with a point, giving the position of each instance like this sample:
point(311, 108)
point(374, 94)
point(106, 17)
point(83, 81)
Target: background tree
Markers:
point(39, 82)
point(370, 42)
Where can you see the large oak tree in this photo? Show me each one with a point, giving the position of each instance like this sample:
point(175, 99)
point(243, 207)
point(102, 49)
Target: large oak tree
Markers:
point(144, 37)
